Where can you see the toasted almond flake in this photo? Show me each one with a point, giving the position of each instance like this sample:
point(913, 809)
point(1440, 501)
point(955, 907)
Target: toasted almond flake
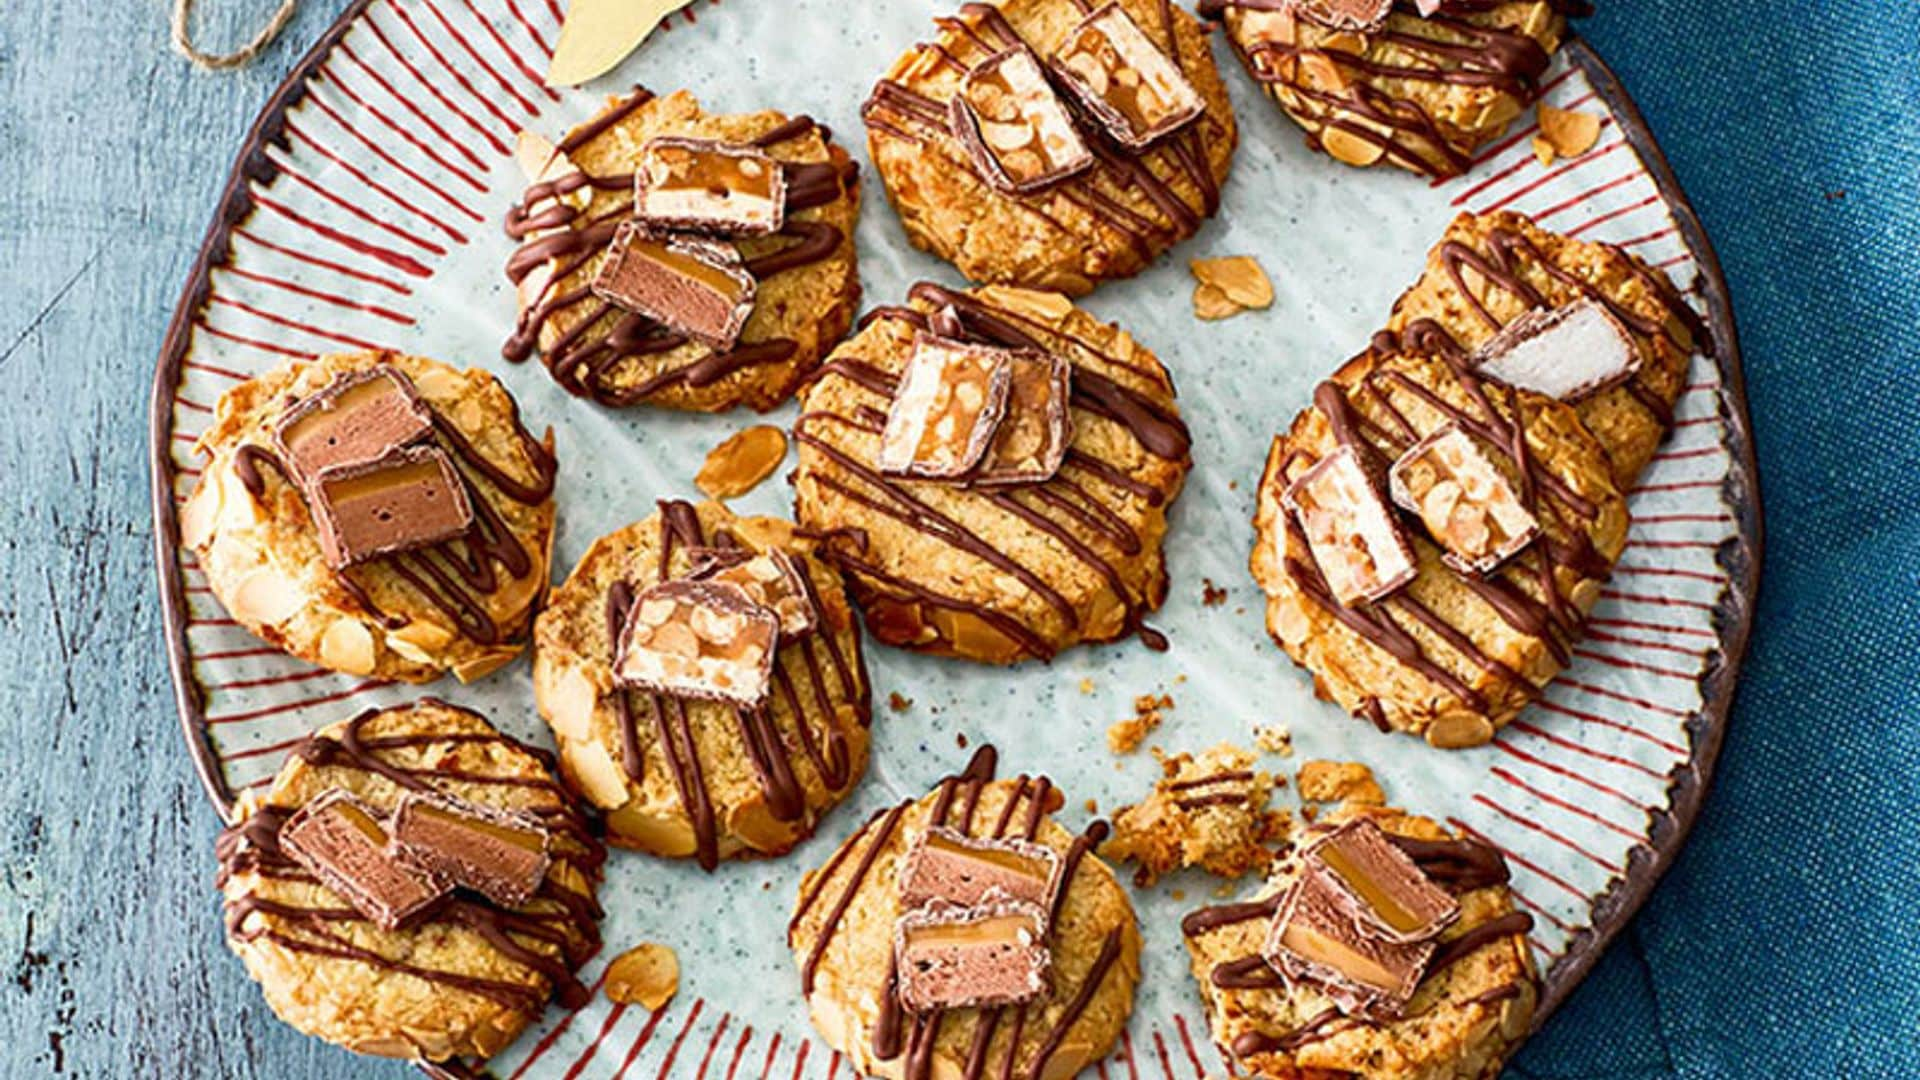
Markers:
point(1543, 150)
point(1346, 147)
point(1240, 277)
point(1210, 302)
point(596, 774)
point(647, 975)
point(347, 646)
point(598, 34)
point(740, 463)
point(1340, 781)
point(266, 598)
point(1571, 133)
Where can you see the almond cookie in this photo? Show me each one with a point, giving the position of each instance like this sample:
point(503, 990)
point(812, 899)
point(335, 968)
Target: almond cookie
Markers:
point(734, 774)
point(1044, 525)
point(1306, 979)
point(1054, 143)
point(681, 259)
point(1433, 591)
point(376, 514)
point(1372, 81)
point(314, 884)
point(1490, 269)
point(1021, 950)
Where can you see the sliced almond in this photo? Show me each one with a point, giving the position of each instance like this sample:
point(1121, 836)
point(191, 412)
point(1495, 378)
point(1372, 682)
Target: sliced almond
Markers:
point(1210, 302)
point(1346, 147)
point(266, 598)
point(598, 34)
point(1543, 150)
point(739, 464)
point(1041, 302)
point(347, 646)
point(647, 975)
point(568, 702)
point(595, 773)
point(1571, 133)
point(1240, 277)
point(201, 512)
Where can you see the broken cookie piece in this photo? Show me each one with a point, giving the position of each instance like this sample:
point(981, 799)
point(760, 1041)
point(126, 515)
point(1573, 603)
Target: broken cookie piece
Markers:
point(1315, 940)
point(1124, 80)
point(947, 408)
point(700, 640)
point(698, 287)
point(699, 185)
point(360, 417)
point(1037, 426)
point(500, 855)
point(1570, 353)
point(1467, 503)
point(1350, 529)
point(343, 842)
point(409, 499)
point(1018, 131)
point(1378, 885)
point(768, 578)
point(978, 956)
point(1208, 810)
point(946, 865)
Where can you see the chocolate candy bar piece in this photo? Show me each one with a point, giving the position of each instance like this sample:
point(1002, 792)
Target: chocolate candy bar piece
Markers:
point(954, 957)
point(1379, 886)
point(1468, 504)
point(1121, 77)
point(409, 499)
point(1365, 16)
point(768, 578)
point(501, 855)
point(1570, 353)
point(698, 287)
point(698, 185)
point(1314, 940)
point(359, 417)
point(700, 640)
point(1350, 529)
point(1018, 130)
point(948, 404)
point(950, 866)
point(1037, 426)
point(344, 842)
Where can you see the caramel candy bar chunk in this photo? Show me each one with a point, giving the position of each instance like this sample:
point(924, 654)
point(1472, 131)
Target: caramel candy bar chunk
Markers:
point(1121, 77)
point(1350, 529)
point(1570, 353)
point(768, 578)
point(409, 499)
point(500, 855)
point(700, 640)
point(949, 402)
point(361, 416)
point(723, 189)
point(1018, 130)
point(1365, 16)
point(951, 957)
point(344, 842)
point(698, 287)
point(1469, 506)
point(1379, 886)
point(946, 865)
point(1037, 427)
point(1314, 940)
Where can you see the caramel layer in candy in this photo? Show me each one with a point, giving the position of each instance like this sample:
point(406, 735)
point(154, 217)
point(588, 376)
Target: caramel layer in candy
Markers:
point(409, 499)
point(1570, 353)
point(1037, 425)
point(698, 287)
point(947, 865)
point(1469, 506)
point(700, 640)
point(725, 189)
point(1379, 885)
point(500, 855)
point(1350, 529)
point(1136, 92)
point(768, 578)
point(1315, 940)
point(344, 842)
point(361, 416)
point(1018, 130)
point(950, 957)
point(948, 404)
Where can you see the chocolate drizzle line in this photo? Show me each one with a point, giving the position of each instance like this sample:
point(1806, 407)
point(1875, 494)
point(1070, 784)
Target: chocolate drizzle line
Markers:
point(551, 936)
point(555, 238)
point(1158, 431)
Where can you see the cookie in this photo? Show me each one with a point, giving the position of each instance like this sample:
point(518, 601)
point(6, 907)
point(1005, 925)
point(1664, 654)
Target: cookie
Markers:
point(1378, 83)
point(681, 777)
point(602, 338)
point(1007, 571)
point(1490, 269)
point(1475, 992)
point(1120, 207)
point(449, 982)
point(296, 484)
point(844, 928)
point(1447, 653)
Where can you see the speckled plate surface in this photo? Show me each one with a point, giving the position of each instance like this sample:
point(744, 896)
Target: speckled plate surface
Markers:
point(365, 210)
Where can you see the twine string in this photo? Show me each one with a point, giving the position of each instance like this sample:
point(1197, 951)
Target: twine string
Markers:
point(183, 37)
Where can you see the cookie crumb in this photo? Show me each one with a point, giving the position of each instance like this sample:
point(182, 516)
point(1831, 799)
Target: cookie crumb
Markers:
point(1340, 781)
point(1093, 806)
point(1177, 894)
point(1274, 739)
point(1125, 736)
point(742, 461)
point(1086, 686)
point(1211, 595)
point(1564, 134)
point(960, 739)
point(647, 974)
point(1208, 810)
point(899, 702)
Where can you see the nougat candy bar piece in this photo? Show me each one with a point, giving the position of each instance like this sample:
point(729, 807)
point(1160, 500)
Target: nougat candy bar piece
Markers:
point(359, 417)
point(948, 865)
point(1350, 529)
point(700, 185)
point(499, 854)
point(698, 287)
point(1123, 79)
point(1037, 425)
point(1015, 126)
point(409, 499)
point(1467, 503)
point(1570, 353)
point(344, 842)
point(947, 406)
point(979, 956)
point(1314, 940)
point(700, 640)
point(1378, 885)
point(768, 578)
point(1365, 16)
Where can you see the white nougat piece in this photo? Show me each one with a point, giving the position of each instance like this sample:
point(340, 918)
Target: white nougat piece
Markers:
point(1350, 529)
point(1569, 353)
point(948, 404)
